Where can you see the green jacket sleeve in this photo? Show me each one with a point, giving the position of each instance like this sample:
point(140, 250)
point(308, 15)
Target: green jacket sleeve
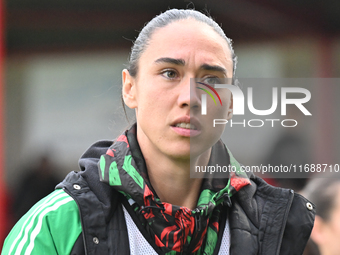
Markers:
point(50, 227)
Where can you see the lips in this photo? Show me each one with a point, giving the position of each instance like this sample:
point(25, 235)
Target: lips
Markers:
point(186, 126)
point(187, 122)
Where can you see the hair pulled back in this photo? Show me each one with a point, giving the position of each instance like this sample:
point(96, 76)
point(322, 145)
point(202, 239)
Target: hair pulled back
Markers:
point(322, 192)
point(163, 20)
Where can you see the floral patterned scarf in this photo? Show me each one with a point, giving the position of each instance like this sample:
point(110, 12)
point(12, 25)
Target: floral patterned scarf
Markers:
point(174, 229)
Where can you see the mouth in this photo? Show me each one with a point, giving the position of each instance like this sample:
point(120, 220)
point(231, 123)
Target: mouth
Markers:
point(186, 126)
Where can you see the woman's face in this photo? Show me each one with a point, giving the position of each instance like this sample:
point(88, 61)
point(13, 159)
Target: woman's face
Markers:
point(167, 102)
point(326, 233)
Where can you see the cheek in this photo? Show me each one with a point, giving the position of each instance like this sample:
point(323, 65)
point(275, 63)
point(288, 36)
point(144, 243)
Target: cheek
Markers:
point(333, 233)
point(144, 95)
point(336, 225)
point(221, 111)
point(152, 107)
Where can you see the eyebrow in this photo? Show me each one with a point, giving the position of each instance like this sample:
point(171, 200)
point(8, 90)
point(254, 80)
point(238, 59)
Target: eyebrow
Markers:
point(174, 61)
point(181, 62)
point(213, 68)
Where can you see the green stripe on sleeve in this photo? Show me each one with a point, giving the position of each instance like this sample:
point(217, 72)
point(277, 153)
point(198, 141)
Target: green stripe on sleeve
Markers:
point(51, 227)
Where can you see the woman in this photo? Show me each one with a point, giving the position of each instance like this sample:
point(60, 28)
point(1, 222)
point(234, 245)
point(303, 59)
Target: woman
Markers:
point(135, 196)
point(325, 193)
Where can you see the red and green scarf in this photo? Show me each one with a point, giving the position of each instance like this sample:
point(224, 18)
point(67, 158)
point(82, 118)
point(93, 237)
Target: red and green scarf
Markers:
point(174, 229)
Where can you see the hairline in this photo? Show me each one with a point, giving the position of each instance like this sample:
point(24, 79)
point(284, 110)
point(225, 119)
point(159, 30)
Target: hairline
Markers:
point(225, 38)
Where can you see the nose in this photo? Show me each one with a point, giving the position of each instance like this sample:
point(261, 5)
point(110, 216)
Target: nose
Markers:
point(188, 95)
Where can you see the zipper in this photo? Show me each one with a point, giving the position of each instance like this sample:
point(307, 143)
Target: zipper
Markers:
point(285, 220)
point(198, 218)
point(198, 224)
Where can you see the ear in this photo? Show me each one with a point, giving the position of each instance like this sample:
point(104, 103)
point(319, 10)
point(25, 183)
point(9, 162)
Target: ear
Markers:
point(318, 232)
point(230, 109)
point(129, 90)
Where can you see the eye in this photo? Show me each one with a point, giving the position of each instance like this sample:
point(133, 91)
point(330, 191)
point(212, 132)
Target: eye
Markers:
point(212, 80)
point(170, 74)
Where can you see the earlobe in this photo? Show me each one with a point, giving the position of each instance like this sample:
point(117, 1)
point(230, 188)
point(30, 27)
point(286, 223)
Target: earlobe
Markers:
point(129, 90)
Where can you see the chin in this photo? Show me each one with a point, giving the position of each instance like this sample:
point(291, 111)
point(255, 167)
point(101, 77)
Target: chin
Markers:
point(201, 145)
point(180, 156)
point(182, 153)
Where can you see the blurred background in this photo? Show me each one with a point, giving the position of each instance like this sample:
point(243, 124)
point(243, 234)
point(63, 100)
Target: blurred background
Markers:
point(61, 79)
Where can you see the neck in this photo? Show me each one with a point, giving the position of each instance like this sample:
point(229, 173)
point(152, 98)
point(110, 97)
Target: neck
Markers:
point(170, 178)
point(172, 183)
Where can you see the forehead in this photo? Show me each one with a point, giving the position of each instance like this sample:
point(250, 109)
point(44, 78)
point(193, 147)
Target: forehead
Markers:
point(188, 38)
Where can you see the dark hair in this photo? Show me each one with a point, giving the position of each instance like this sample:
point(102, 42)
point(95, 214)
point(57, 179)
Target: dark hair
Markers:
point(322, 192)
point(164, 19)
